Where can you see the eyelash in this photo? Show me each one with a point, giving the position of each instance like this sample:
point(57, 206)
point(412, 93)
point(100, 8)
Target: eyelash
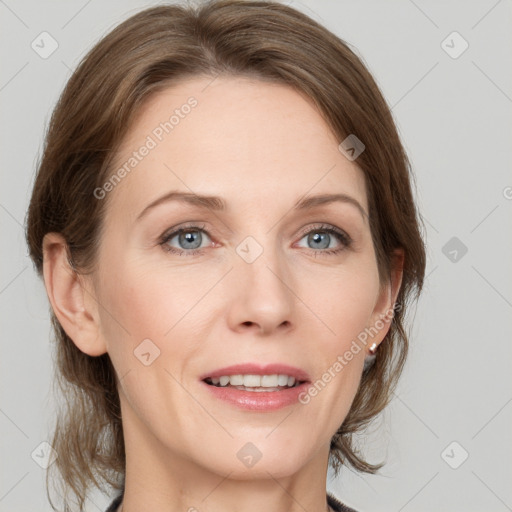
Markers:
point(345, 240)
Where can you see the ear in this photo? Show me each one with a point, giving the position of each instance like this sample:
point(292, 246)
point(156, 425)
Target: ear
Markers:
point(384, 309)
point(73, 304)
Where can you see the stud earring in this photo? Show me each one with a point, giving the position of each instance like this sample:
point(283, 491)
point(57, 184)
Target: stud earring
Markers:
point(369, 359)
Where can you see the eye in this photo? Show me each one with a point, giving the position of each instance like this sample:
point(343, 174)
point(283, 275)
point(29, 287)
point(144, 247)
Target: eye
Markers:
point(326, 239)
point(191, 239)
point(187, 240)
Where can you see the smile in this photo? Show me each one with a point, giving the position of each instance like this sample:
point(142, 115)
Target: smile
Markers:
point(251, 382)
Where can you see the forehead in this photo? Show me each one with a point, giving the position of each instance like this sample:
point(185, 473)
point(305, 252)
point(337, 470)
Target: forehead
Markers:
point(240, 138)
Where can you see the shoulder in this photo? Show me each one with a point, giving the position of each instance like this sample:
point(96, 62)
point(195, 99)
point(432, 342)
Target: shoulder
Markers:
point(337, 505)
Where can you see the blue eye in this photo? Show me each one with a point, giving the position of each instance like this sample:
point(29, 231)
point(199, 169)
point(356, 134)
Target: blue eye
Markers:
point(189, 240)
point(321, 237)
point(192, 240)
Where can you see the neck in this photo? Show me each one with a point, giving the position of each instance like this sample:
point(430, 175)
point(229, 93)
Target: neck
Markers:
point(162, 480)
point(120, 509)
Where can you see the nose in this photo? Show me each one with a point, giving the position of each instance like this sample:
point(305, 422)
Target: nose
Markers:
point(261, 297)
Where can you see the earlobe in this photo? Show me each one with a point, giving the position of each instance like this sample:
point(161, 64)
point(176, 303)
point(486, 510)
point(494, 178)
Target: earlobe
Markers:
point(67, 295)
point(385, 307)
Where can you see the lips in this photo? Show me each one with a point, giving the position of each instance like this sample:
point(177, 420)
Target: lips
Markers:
point(253, 398)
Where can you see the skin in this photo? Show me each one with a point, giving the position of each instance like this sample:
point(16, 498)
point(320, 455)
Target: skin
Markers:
point(261, 147)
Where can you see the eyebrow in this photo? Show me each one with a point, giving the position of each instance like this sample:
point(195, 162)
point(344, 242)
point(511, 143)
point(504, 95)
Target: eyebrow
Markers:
point(218, 204)
point(318, 200)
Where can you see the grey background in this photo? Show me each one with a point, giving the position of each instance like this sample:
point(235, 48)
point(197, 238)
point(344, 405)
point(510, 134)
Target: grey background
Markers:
point(454, 116)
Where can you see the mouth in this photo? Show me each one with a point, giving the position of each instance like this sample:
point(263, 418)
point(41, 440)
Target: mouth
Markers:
point(257, 388)
point(254, 382)
point(255, 378)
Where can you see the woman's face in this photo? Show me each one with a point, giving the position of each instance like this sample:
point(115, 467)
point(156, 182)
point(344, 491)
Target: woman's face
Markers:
point(264, 280)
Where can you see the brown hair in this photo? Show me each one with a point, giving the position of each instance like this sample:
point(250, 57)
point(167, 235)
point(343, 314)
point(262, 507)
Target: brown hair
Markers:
point(147, 53)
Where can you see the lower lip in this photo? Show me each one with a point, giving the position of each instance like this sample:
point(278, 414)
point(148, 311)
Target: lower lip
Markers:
point(258, 400)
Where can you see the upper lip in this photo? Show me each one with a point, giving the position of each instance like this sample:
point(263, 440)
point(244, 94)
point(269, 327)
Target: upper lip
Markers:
point(257, 369)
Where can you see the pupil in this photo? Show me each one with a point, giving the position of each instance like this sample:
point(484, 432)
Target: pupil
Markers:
point(190, 239)
point(316, 237)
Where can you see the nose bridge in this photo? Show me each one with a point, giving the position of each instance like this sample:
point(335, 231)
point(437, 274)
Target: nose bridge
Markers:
point(263, 293)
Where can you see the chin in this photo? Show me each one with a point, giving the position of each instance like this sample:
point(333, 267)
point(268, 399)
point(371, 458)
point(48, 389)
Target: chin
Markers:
point(248, 462)
point(260, 471)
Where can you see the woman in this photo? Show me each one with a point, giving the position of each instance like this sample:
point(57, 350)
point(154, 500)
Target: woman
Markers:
point(224, 221)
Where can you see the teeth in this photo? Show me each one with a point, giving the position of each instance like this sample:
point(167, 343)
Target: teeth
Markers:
point(282, 380)
point(251, 381)
point(254, 381)
point(270, 381)
point(235, 380)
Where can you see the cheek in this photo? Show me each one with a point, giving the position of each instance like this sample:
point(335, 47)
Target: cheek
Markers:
point(143, 314)
point(343, 305)
point(148, 302)
point(163, 306)
point(343, 300)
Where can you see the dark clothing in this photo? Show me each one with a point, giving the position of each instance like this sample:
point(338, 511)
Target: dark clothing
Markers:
point(113, 506)
point(338, 505)
point(333, 502)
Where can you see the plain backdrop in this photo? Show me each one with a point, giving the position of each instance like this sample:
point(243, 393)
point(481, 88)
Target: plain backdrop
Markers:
point(446, 435)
